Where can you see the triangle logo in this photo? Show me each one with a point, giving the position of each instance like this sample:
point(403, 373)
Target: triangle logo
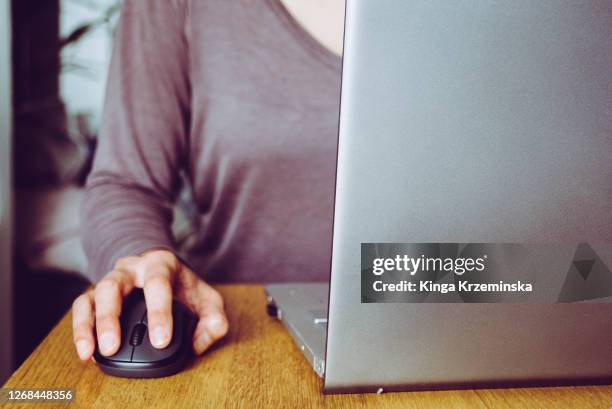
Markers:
point(584, 267)
point(588, 277)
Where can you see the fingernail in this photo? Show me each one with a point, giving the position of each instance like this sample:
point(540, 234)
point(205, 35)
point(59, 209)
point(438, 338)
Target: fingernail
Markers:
point(108, 342)
point(161, 336)
point(82, 347)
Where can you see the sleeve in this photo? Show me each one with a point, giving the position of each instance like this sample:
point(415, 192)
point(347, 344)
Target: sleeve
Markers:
point(127, 207)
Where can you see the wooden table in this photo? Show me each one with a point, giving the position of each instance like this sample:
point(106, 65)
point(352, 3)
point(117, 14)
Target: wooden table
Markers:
point(256, 366)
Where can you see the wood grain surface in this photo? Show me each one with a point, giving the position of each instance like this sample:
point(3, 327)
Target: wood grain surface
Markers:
point(256, 366)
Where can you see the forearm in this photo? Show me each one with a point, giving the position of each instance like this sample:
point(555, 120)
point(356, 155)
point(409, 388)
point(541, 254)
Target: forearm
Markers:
point(122, 220)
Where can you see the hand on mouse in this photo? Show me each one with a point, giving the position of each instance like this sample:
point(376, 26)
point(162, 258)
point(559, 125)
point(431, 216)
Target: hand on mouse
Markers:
point(162, 276)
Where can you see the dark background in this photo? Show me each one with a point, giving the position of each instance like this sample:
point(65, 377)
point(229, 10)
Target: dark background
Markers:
point(42, 147)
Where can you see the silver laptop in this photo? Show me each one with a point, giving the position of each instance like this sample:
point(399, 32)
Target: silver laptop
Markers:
point(474, 128)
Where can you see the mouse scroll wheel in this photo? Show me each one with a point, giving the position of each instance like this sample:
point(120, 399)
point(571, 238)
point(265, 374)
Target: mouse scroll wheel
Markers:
point(138, 334)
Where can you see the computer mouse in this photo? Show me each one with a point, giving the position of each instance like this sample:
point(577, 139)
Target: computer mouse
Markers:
point(136, 357)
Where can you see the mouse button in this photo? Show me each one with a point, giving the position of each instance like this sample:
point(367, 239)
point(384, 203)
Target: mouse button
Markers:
point(129, 318)
point(134, 309)
point(124, 354)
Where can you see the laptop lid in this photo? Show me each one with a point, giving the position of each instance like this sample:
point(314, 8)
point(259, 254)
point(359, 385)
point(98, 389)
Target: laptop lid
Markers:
point(481, 121)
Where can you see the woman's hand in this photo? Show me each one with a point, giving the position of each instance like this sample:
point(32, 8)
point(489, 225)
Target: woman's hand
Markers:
point(162, 276)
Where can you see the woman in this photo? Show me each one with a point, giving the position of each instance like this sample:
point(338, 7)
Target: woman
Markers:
point(243, 97)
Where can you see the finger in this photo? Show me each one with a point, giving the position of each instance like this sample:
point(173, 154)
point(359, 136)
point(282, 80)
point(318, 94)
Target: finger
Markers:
point(212, 324)
point(108, 297)
point(83, 325)
point(158, 297)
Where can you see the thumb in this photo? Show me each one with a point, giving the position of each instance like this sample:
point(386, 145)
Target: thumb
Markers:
point(212, 324)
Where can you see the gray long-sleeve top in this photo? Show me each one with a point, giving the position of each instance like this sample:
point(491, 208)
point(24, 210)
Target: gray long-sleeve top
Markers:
point(241, 98)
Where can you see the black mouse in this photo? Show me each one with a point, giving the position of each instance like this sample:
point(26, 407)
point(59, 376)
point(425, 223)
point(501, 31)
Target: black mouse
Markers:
point(136, 357)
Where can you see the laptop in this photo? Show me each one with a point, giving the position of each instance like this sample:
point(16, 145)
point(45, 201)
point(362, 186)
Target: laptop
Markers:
point(472, 134)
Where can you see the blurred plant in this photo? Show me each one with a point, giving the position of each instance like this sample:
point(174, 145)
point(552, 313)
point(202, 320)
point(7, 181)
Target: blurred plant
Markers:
point(79, 124)
point(78, 33)
point(55, 146)
point(106, 19)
